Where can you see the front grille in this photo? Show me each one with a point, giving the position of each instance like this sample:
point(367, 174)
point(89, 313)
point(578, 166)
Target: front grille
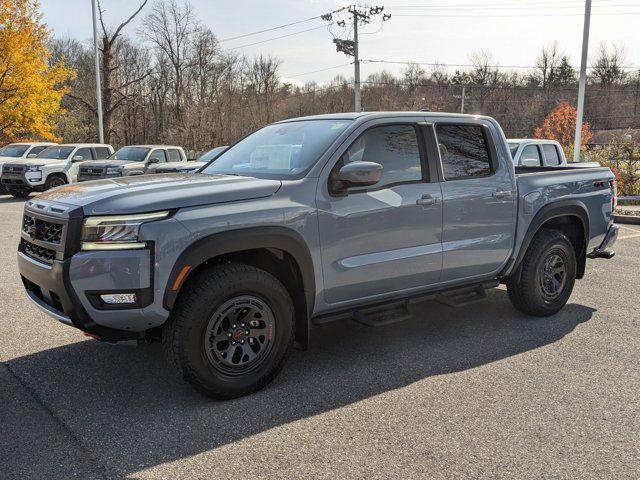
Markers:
point(14, 169)
point(91, 172)
point(42, 230)
point(43, 254)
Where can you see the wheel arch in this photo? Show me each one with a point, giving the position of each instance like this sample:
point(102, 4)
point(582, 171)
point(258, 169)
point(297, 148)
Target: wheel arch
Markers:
point(278, 250)
point(568, 216)
point(57, 174)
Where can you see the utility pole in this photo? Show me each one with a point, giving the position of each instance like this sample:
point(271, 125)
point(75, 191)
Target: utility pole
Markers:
point(97, 63)
point(462, 97)
point(583, 80)
point(359, 15)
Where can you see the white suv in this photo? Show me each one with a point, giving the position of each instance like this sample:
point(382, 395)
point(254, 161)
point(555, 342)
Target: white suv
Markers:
point(54, 166)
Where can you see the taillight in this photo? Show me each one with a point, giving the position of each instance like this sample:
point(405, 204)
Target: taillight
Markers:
point(614, 194)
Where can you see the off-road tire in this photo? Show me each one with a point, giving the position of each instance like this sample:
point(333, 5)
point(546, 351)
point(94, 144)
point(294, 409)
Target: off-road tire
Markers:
point(54, 181)
point(20, 193)
point(183, 335)
point(525, 287)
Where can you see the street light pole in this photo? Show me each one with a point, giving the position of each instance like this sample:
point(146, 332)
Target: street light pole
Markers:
point(583, 80)
point(356, 62)
point(97, 64)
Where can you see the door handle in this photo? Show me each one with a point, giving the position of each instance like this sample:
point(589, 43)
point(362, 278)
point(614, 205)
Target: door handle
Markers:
point(426, 200)
point(500, 194)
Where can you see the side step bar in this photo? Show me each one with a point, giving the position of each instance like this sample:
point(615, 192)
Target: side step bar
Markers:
point(387, 313)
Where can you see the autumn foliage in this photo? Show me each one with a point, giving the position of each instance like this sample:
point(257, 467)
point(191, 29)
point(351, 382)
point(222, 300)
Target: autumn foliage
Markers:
point(560, 125)
point(30, 88)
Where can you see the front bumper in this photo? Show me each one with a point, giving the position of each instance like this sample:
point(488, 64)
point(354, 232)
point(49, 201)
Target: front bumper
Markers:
point(605, 248)
point(88, 178)
point(23, 181)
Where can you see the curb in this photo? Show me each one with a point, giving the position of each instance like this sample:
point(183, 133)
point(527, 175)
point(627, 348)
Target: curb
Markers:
point(630, 219)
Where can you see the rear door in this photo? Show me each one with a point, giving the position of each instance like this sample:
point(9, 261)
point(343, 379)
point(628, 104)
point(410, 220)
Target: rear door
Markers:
point(384, 238)
point(479, 195)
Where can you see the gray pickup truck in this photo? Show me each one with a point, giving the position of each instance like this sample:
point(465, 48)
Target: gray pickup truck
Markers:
point(306, 221)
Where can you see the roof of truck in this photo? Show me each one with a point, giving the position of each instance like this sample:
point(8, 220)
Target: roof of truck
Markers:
point(152, 146)
point(373, 115)
point(530, 140)
point(83, 145)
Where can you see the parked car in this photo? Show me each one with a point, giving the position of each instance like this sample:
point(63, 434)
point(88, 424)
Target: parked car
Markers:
point(191, 166)
point(305, 221)
point(132, 160)
point(15, 151)
point(533, 152)
point(54, 166)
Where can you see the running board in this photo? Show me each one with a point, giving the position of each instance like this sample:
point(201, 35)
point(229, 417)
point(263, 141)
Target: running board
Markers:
point(602, 254)
point(384, 315)
point(463, 296)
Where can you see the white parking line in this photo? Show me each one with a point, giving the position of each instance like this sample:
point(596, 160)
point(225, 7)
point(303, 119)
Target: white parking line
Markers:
point(631, 235)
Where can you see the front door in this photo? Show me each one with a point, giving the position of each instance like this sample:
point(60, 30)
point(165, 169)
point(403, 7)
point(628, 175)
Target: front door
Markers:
point(385, 238)
point(479, 194)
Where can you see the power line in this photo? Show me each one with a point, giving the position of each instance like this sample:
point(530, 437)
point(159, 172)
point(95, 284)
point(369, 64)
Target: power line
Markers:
point(316, 71)
point(277, 38)
point(513, 15)
point(268, 29)
point(471, 65)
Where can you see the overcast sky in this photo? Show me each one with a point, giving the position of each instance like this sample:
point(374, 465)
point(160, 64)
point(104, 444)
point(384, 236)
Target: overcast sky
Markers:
point(421, 31)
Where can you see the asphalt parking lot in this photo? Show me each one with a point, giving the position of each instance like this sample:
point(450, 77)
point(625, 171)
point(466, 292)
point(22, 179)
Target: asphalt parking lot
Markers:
point(472, 392)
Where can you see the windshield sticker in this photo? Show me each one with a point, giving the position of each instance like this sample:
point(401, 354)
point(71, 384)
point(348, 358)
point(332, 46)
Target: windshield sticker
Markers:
point(272, 157)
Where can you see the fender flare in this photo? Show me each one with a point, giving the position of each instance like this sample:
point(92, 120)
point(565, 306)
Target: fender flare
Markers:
point(61, 173)
point(562, 208)
point(222, 243)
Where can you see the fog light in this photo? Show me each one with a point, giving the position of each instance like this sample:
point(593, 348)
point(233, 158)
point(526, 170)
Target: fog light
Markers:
point(118, 298)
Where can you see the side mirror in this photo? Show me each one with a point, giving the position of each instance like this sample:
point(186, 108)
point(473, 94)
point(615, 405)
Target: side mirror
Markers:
point(357, 174)
point(32, 155)
point(153, 160)
point(77, 158)
point(530, 162)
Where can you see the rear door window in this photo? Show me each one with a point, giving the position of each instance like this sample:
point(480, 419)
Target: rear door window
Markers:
point(174, 155)
point(551, 156)
point(531, 156)
point(464, 151)
point(102, 153)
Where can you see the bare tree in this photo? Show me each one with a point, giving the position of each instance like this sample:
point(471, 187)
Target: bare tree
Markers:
point(609, 66)
point(547, 64)
point(169, 28)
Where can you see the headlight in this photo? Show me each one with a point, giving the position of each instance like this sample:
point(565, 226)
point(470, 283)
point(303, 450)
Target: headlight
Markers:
point(33, 168)
point(116, 232)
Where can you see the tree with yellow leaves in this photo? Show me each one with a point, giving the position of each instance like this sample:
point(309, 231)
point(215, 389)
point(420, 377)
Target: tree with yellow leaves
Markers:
point(30, 88)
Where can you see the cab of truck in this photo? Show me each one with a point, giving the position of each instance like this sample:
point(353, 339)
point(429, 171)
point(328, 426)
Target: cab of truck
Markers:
point(133, 160)
point(533, 152)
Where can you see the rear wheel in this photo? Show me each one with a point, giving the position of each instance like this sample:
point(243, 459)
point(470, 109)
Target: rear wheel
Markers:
point(230, 330)
point(545, 279)
point(54, 181)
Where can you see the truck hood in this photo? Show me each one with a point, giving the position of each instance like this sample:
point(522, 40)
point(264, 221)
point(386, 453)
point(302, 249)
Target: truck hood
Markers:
point(148, 193)
point(49, 162)
point(112, 163)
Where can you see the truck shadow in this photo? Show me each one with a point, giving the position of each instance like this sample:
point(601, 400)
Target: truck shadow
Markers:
point(133, 412)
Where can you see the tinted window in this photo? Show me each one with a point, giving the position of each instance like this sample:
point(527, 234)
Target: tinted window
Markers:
point(464, 151)
point(131, 154)
point(37, 150)
point(102, 153)
point(85, 153)
point(395, 147)
point(159, 155)
point(13, 151)
point(550, 154)
point(280, 150)
point(174, 155)
point(56, 153)
point(530, 154)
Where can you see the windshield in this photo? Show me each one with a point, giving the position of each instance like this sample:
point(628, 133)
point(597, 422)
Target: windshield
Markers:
point(280, 150)
point(211, 154)
point(57, 153)
point(514, 148)
point(13, 151)
point(131, 154)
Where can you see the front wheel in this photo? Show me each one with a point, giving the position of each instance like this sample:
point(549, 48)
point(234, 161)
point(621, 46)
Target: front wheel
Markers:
point(54, 181)
point(20, 193)
point(546, 276)
point(230, 330)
